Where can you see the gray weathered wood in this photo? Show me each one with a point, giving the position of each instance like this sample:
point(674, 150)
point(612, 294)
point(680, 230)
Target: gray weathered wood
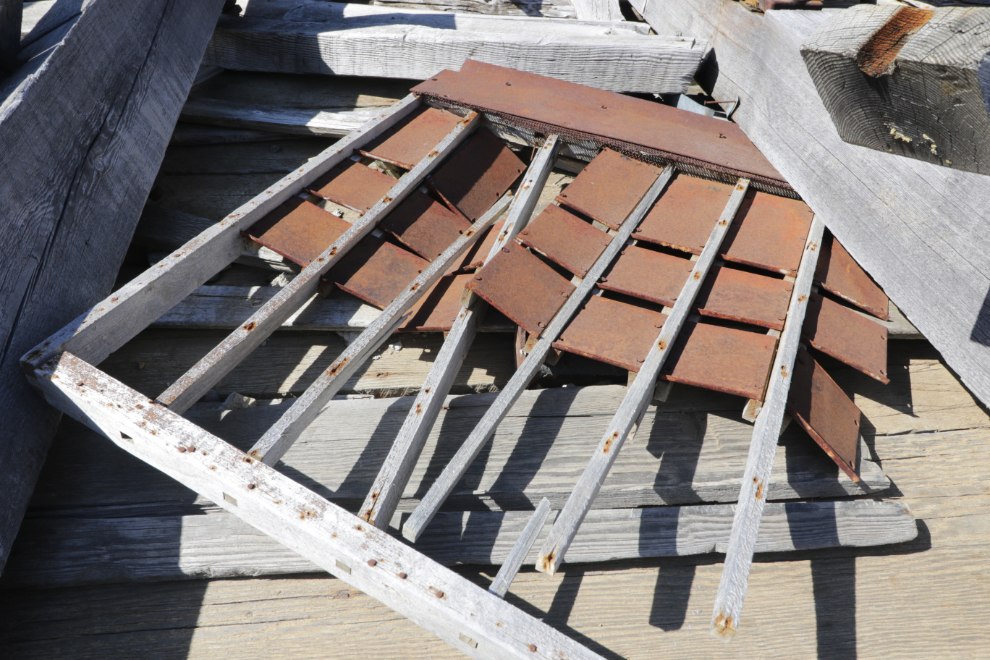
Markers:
point(638, 397)
point(468, 451)
point(597, 10)
point(10, 34)
point(759, 463)
point(221, 360)
point(354, 43)
point(918, 229)
point(925, 97)
point(545, 8)
point(521, 549)
point(279, 438)
point(391, 481)
point(82, 137)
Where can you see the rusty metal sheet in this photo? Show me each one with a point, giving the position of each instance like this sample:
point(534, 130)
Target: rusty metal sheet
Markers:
point(477, 175)
point(353, 185)
point(612, 331)
point(737, 295)
point(826, 413)
point(298, 230)
point(686, 213)
point(846, 335)
point(548, 105)
point(376, 271)
point(424, 225)
point(838, 273)
point(609, 187)
point(721, 359)
point(769, 232)
point(475, 257)
point(437, 310)
point(413, 139)
point(522, 287)
point(565, 239)
point(649, 275)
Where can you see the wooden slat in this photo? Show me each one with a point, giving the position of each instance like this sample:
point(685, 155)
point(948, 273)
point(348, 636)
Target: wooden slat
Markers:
point(391, 481)
point(207, 372)
point(466, 454)
point(752, 498)
point(638, 397)
point(506, 574)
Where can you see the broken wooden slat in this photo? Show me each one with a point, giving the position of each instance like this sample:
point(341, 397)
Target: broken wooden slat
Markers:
point(512, 564)
point(384, 495)
point(637, 398)
point(752, 498)
point(469, 450)
point(207, 372)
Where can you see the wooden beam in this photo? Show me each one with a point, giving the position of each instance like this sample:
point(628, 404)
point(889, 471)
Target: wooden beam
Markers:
point(448, 605)
point(638, 397)
point(391, 481)
point(598, 10)
point(348, 40)
point(208, 371)
point(466, 454)
point(873, 65)
point(83, 131)
point(544, 8)
point(279, 438)
point(746, 525)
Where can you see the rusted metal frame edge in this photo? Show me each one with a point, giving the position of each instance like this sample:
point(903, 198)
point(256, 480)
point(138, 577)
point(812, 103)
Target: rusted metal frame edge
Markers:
point(386, 491)
point(279, 438)
point(206, 373)
point(109, 324)
point(457, 611)
point(759, 462)
point(468, 451)
point(638, 397)
point(506, 574)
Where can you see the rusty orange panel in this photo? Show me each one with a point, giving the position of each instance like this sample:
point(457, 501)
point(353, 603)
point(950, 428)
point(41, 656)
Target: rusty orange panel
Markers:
point(477, 175)
point(522, 287)
point(424, 225)
point(353, 185)
point(686, 213)
point(769, 232)
point(565, 239)
point(413, 139)
point(609, 187)
point(437, 310)
point(737, 295)
point(721, 359)
point(298, 230)
point(475, 256)
point(649, 275)
point(846, 335)
point(839, 274)
point(826, 413)
point(612, 331)
point(376, 271)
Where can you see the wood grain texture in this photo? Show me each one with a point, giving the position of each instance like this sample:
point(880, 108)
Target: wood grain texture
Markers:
point(598, 10)
point(926, 99)
point(544, 8)
point(82, 138)
point(915, 227)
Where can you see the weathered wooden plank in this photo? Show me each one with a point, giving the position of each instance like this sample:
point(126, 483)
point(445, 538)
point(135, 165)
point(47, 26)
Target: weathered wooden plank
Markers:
point(82, 138)
point(545, 8)
point(350, 41)
point(598, 10)
point(882, 72)
point(916, 228)
point(522, 547)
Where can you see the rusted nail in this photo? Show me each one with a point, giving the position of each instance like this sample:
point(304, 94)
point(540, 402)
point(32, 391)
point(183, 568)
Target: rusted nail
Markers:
point(182, 450)
point(532, 647)
point(402, 576)
point(372, 563)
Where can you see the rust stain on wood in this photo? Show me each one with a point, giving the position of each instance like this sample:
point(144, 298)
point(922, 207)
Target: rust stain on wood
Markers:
point(880, 50)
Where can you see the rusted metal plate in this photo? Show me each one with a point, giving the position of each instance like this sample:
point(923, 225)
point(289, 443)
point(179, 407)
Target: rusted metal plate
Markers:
point(686, 213)
point(609, 187)
point(634, 125)
point(353, 185)
point(847, 336)
point(721, 359)
point(376, 271)
point(477, 175)
point(565, 239)
point(649, 275)
point(522, 287)
point(298, 230)
point(437, 310)
point(612, 331)
point(414, 138)
point(838, 273)
point(475, 257)
point(737, 295)
point(826, 413)
point(424, 225)
point(768, 232)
